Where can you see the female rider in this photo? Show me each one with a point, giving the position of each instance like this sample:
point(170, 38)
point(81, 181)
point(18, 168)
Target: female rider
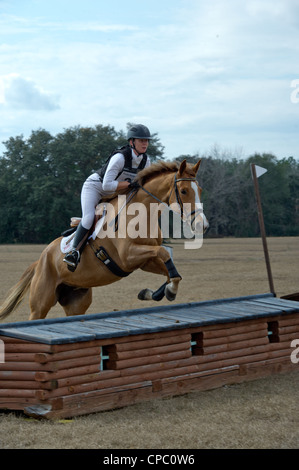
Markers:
point(116, 175)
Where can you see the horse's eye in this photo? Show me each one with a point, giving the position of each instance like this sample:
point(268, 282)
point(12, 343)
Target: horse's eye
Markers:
point(183, 191)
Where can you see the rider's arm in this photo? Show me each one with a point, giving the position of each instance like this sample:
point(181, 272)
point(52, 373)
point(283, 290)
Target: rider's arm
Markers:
point(114, 168)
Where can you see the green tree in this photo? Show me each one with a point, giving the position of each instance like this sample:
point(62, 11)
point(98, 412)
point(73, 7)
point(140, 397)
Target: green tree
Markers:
point(275, 194)
point(24, 172)
point(229, 200)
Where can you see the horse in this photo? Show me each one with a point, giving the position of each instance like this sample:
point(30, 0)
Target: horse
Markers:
point(107, 259)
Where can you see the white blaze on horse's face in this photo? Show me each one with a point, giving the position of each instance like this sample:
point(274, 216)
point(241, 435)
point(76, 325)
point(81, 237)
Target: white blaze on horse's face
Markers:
point(193, 213)
point(199, 219)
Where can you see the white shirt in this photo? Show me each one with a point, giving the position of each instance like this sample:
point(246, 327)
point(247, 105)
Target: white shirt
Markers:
point(115, 166)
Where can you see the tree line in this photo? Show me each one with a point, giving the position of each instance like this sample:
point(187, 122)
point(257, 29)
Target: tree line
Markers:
point(41, 179)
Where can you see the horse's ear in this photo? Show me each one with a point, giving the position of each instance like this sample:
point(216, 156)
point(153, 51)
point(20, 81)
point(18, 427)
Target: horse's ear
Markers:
point(182, 168)
point(196, 166)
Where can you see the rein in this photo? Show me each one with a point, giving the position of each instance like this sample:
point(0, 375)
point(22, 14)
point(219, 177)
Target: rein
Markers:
point(177, 195)
point(131, 195)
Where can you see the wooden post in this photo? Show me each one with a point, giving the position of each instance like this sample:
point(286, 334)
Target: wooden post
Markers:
point(262, 227)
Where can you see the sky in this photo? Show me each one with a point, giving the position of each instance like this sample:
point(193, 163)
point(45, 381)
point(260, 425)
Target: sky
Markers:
point(202, 74)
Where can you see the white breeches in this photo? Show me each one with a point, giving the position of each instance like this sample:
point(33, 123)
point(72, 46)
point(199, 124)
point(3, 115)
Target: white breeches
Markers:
point(91, 194)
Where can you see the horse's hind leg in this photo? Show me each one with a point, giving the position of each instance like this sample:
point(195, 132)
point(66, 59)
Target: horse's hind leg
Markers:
point(74, 300)
point(42, 297)
point(43, 286)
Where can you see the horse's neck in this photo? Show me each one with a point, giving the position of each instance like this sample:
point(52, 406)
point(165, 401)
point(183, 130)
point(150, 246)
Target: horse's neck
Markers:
point(159, 187)
point(154, 201)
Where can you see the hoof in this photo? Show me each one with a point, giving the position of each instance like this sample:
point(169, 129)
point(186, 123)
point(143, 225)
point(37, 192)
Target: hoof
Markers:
point(145, 294)
point(169, 295)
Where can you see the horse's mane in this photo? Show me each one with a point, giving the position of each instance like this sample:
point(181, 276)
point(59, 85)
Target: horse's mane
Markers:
point(155, 169)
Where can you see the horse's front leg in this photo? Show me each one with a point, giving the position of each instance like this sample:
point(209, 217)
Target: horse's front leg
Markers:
point(155, 266)
point(154, 259)
point(172, 287)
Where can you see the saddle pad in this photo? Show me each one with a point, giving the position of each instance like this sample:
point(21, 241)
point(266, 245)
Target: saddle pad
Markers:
point(66, 244)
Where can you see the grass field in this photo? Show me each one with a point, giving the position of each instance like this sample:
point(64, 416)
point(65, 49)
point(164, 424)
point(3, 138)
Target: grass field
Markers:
point(259, 414)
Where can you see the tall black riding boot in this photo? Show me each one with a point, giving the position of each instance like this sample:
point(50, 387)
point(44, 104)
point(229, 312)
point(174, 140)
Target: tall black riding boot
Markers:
point(72, 259)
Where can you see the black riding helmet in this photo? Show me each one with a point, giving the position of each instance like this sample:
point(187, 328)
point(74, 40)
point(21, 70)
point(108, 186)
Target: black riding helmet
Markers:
point(138, 131)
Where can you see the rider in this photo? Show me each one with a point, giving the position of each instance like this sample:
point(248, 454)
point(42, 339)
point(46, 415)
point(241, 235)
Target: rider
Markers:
point(116, 175)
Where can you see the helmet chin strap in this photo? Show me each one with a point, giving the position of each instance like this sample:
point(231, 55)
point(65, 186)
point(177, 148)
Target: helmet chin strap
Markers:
point(134, 148)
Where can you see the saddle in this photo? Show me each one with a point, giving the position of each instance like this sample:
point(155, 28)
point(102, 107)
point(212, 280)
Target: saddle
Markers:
point(75, 221)
point(100, 253)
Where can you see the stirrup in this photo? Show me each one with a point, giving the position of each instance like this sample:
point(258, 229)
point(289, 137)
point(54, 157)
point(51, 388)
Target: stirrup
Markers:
point(72, 260)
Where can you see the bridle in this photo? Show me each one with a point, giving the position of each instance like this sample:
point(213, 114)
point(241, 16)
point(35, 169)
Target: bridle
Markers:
point(167, 204)
point(177, 195)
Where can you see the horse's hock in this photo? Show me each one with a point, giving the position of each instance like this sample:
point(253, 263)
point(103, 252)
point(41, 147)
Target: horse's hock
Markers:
point(83, 364)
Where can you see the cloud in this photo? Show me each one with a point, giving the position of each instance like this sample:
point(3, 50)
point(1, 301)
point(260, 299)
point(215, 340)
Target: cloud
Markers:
point(213, 72)
point(22, 93)
point(12, 25)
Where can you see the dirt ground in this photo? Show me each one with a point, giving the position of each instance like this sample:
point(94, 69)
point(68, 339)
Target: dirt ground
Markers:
point(254, 415)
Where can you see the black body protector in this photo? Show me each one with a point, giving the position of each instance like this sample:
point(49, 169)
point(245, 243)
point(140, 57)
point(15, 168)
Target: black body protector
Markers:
point(128, 173)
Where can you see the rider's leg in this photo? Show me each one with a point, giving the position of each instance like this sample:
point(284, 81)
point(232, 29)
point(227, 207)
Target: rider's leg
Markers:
point(90, 197)
point(72, 259)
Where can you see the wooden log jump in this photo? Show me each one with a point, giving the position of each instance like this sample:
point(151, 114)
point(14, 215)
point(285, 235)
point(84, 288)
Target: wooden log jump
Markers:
point(83, 364)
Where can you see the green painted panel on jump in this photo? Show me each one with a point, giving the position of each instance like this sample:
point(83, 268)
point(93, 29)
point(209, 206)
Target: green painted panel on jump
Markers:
point(149, 320)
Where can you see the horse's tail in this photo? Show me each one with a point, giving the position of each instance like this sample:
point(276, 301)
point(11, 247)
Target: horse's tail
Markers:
point(18, 292)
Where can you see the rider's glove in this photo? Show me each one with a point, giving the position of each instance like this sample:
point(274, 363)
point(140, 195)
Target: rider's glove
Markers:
point(134, 185)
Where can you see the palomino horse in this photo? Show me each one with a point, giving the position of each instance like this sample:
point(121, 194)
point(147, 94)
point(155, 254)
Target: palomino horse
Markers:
point(49, 279)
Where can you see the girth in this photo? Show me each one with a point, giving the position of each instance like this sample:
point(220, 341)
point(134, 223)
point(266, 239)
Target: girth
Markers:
point(103, 256)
